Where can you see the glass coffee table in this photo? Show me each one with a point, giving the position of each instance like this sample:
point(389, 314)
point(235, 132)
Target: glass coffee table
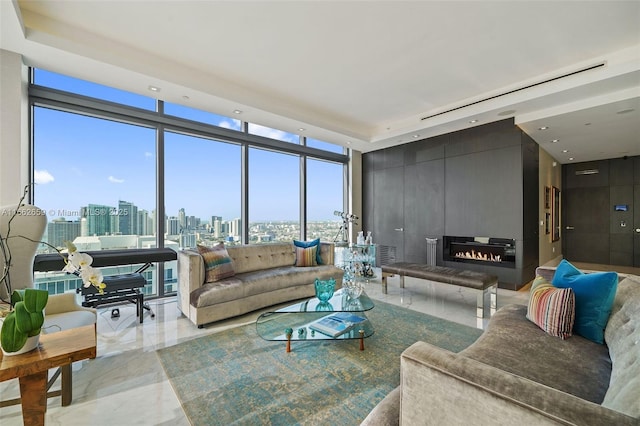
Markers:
point(299, 321)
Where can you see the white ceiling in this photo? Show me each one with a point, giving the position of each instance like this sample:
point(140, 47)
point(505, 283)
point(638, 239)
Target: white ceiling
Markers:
point(362, 74)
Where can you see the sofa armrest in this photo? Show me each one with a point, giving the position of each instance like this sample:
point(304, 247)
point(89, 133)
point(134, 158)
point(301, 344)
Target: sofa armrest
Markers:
point(190, 277)
point(327, 253)
point(435, 381)
point(62, 303)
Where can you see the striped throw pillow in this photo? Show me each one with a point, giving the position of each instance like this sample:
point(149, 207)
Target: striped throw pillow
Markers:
point(217, 262)
point(551, 308)
point(306, 256)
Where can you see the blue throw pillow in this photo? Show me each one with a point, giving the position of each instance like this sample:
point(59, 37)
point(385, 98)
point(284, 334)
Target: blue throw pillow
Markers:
point(307, 244)
point(594, 294)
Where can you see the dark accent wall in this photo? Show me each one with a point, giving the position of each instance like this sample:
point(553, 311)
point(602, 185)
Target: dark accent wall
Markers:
point(481, 181)
point(592, 229)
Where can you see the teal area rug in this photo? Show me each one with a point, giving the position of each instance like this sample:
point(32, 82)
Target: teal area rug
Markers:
point(236, 378)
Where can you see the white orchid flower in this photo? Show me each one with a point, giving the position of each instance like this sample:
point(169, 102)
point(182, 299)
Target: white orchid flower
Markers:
point(92, 277)
point(80, 260)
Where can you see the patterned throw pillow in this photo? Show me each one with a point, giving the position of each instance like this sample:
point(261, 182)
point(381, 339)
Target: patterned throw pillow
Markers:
point(306, 244)
point(552, 309)
point(217, 262)
point(306, 256)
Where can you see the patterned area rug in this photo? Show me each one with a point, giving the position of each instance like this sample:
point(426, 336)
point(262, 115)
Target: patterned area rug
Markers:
point(236, 378)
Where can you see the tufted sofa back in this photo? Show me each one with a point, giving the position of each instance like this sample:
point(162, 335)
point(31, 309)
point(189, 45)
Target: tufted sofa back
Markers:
point(622, 336)
point(256, 257)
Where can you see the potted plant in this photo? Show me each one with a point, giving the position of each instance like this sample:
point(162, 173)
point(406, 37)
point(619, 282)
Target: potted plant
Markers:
point(21, 328)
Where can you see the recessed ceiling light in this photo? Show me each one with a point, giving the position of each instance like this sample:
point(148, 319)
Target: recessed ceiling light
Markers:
point(570, 158)
point(237, 111)
point(185, 97)
point(625, 111)
point(473, 121)
point(416, 136)
point(543, 128)
point(587, 124)
point(301, 129)
point(555, 140)
point(564, 151)
point(154, 88)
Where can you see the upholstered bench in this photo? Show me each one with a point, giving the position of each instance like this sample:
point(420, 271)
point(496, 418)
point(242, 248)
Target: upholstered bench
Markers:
point(486, 284)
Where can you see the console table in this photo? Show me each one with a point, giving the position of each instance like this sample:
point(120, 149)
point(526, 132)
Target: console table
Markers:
point(55, 350)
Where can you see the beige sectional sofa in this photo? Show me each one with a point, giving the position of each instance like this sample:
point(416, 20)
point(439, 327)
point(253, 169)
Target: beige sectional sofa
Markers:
point(516, 374)
point(265, 275)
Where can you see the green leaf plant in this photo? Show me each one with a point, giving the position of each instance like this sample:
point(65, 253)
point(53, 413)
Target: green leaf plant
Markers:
point(25, 320)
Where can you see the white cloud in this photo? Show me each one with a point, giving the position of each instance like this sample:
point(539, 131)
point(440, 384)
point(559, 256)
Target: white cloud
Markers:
point(148, 154)
point(115, 180)
point(267, 132)
point(42, 177)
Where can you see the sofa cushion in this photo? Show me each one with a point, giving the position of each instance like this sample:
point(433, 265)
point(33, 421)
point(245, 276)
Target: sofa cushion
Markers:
point(305, 244)
point(217, 262)
point(306, 256)
point(512, 343)
point(622, 336)
point(259, 282)
point(594, 294)
point(550, 308)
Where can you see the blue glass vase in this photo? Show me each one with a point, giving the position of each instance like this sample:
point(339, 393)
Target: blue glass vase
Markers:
point(324, 289)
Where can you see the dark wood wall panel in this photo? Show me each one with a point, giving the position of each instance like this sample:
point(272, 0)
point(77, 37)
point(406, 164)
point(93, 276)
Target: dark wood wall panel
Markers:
point(594, 230)
point(476, 182)
point(423, 212)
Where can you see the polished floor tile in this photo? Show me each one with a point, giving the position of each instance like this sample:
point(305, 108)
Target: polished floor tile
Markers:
point(126, 383)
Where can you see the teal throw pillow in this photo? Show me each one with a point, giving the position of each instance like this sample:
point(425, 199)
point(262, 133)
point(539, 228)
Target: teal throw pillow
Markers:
point(594, 293)
point(307, 244)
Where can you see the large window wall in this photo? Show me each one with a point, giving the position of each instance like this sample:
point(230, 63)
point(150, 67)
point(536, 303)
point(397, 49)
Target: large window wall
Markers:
point(104, 159)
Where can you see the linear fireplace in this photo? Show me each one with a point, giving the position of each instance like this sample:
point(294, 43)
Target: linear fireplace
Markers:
point(491, 251)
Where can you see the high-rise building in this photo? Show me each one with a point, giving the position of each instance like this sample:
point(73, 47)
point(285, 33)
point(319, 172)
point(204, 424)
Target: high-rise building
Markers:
point(217, 228)
point(182, 219)
point(173, 226)
point(193, 222)
point(99, 219)
point(235, 227)
point(143, 223)
point(187, 239)
point(127, 218)
point(61, 230)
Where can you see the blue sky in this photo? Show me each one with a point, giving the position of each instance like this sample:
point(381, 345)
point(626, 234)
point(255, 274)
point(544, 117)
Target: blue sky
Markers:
point(81, 160)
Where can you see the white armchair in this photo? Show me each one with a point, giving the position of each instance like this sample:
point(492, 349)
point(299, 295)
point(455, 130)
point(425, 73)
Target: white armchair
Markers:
point(27, 228)
point(28, 224)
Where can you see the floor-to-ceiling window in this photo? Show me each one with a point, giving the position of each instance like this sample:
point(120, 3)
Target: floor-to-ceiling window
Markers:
point(202, 190)
point(116, 154)
point(325, 184)
point(274, 196)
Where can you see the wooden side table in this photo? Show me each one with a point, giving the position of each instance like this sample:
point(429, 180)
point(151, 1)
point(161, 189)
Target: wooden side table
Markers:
point(58, 349)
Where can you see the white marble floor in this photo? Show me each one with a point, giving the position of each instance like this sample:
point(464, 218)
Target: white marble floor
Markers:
point(126, 385)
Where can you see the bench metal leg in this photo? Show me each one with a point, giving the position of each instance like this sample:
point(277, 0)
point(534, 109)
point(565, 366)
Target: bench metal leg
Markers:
point(384, 282)
point(487, 302)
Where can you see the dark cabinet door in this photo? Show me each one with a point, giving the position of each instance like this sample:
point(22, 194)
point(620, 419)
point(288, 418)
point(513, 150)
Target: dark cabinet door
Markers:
point(388, 217)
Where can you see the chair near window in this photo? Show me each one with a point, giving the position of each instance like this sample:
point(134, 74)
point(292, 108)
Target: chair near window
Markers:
point(62, 311)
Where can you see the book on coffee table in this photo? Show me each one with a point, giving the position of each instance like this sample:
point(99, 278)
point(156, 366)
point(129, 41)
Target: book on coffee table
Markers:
point(337, 323)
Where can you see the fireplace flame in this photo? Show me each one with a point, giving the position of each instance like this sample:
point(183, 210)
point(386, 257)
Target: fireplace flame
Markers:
point(474, 255)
